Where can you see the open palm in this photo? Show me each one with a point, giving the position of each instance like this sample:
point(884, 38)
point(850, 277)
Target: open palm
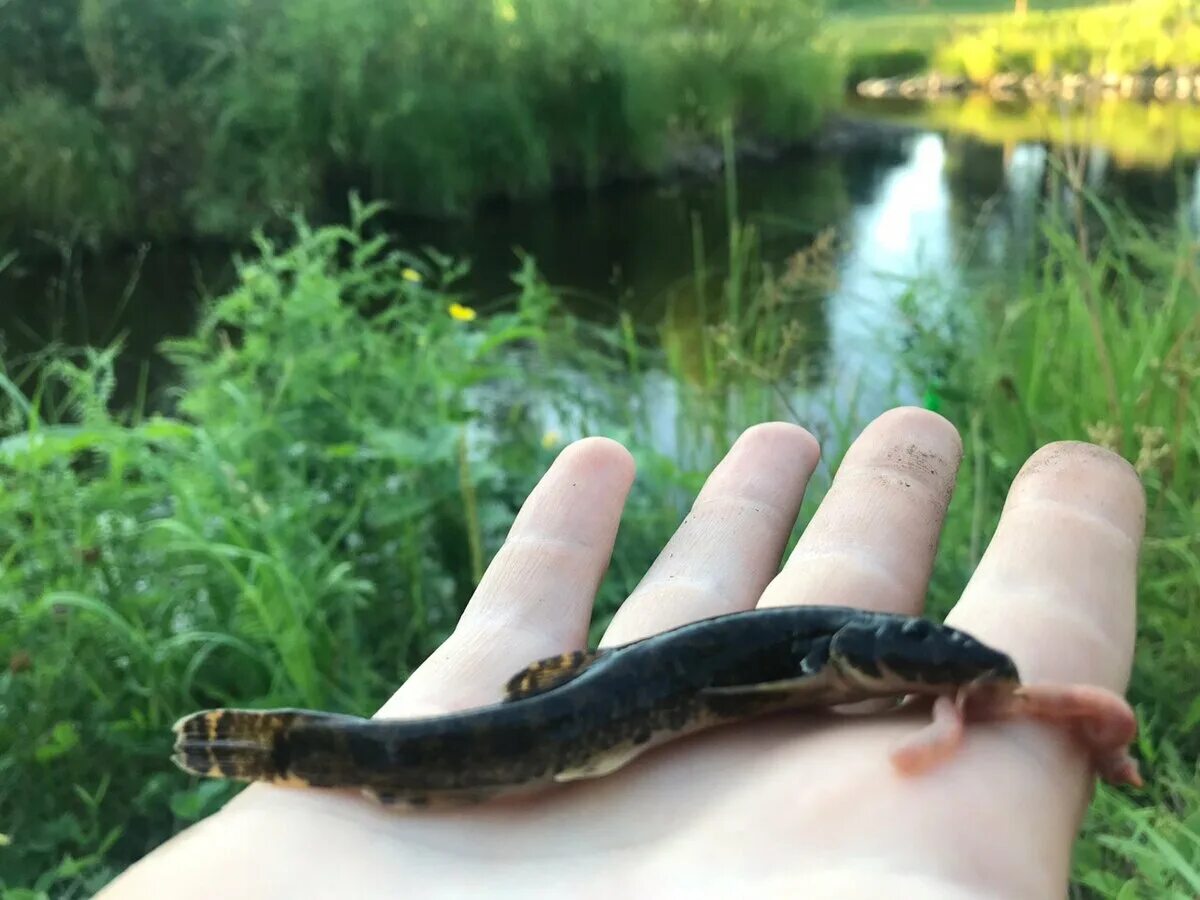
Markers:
point(771, 807)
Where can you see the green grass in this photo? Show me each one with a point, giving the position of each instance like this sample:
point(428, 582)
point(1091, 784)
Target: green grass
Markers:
point(979, 40)
point(1117, 38)
point(1099, 342)
point(133, 118)
point(285, 537)
point(899, 8)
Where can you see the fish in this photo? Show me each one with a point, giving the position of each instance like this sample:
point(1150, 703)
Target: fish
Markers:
point(588, 713)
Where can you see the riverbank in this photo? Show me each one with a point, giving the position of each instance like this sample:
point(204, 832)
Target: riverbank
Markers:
point(1148, 84)
point(278, 535)
point(1136, 51)
point(287, 541)
point(129, 120)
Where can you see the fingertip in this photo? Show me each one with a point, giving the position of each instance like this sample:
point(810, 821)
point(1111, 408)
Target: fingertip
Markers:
point(599, 456)
point(872, 541)
point(785, 436)
point(535, 597)
point(913, 444)
point(728, 548)
point(1088, 478)
point(934, 434)
point(769, 463)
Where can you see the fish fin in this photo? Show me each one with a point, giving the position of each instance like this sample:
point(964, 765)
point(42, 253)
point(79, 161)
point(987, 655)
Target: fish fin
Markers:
point(805, 684)
point(546, 674)
point(803, 692)
point(811, 678)
point(244, 744)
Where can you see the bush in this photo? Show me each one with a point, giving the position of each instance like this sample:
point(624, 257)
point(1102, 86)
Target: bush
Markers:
point(59, 172)
point(229, 114)
point(290, 537)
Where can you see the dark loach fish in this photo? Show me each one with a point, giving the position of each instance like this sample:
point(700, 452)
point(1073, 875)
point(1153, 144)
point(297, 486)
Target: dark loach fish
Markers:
point(588, 713)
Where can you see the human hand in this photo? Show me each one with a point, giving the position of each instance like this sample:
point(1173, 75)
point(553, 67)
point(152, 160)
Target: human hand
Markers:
point(765, 807)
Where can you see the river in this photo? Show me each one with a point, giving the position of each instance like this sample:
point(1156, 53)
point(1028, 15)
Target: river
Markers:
point(936, 192)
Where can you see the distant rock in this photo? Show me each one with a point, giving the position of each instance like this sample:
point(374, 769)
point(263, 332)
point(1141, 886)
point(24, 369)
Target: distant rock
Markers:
point(1148, 83)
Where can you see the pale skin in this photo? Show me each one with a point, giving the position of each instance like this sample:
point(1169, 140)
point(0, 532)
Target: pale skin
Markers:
point(765, 808)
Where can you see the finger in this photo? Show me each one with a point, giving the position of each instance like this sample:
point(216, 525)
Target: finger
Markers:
point(535, 599)
point(726, 550)
point(1056, 590)
point(872, 541)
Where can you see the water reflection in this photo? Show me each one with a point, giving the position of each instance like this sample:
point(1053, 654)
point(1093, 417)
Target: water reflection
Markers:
point(904, 232)
point(934, 208)
point(1191, 212)
point(896, 234)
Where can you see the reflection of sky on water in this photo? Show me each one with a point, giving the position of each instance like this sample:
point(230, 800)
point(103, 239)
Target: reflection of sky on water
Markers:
point(1025, 170)
point(900, 233)
point(904, 234)
point(1191, 210)
point(910, 211)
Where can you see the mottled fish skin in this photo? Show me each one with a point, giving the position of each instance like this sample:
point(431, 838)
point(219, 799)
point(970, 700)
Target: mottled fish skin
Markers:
point(622, 701)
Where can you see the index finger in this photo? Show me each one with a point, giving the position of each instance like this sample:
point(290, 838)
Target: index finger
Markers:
point(535, 599)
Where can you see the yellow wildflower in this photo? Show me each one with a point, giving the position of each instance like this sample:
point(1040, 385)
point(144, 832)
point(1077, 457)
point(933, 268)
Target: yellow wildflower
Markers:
point(411, 275)
point(506, 11)
point(462, 313)
point(551, 439)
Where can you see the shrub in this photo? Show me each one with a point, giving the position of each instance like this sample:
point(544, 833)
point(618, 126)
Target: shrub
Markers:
point(229, 114)
point(59, 171)
point(305, 531)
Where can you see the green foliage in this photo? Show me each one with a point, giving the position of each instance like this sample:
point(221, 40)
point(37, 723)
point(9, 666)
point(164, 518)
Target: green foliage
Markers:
point(918, 8)
point(298, 535)
point(232, 113)
point(1119, 38)
point(349, 445)
point(41, 46)
point(1136, 135)
point(1098, 341)
point(1148, 849)
point(979, 40)
point(60, 173)
point(882, 43)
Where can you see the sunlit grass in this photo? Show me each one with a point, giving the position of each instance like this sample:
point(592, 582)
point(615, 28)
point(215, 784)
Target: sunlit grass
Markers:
point(980, 40)
point(1116, 39)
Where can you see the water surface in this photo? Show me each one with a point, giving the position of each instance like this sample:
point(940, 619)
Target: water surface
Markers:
point(952, 195)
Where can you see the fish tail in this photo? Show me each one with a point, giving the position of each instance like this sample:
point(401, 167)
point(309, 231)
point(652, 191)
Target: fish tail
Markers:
point(243, 744)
